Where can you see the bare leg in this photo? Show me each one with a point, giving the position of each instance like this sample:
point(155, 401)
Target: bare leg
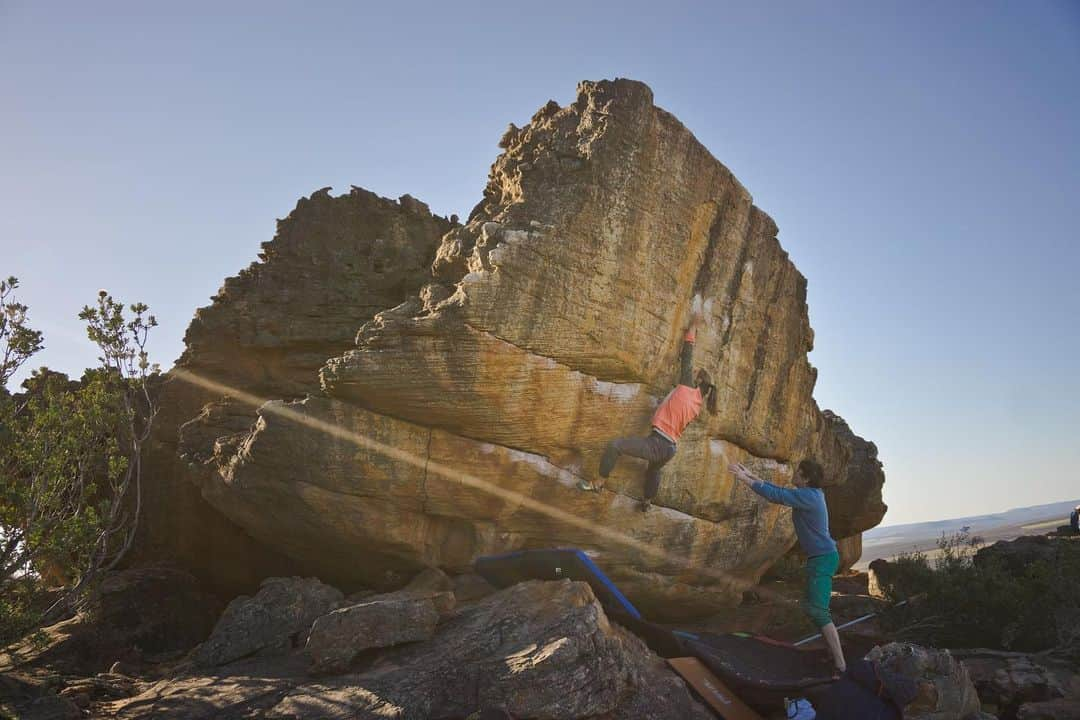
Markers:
point(832, 639)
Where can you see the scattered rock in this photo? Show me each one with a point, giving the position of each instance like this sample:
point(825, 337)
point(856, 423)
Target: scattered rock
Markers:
point(534, 650)
point(274, 619)
point(945, 689)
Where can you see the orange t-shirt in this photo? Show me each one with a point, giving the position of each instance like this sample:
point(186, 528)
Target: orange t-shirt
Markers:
point(679, 408)
point(677, 411)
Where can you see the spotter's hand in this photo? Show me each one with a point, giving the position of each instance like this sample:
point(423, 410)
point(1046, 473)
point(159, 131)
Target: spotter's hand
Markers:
point(741, 473)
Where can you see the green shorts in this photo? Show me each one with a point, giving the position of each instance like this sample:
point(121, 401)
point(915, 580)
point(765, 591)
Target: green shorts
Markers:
point(819, 574)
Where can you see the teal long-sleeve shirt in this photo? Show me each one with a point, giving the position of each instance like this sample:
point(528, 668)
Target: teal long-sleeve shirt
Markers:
point(809, 513)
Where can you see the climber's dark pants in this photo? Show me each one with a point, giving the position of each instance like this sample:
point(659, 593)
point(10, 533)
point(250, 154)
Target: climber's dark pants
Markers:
point(656, 449)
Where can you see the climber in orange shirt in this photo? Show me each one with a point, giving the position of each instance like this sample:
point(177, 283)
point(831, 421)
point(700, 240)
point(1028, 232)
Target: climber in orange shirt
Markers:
point(677, 410)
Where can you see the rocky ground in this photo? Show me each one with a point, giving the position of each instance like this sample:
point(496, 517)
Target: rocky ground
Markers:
point(300, 649)
point(151, 644)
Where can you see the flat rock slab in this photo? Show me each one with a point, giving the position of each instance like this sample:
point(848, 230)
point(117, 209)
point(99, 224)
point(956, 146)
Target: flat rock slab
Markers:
point(338, 637)
point(281, 609)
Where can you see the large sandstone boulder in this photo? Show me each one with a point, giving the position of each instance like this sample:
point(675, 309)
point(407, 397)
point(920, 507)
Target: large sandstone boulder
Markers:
point(462, 418)
point(600, 222)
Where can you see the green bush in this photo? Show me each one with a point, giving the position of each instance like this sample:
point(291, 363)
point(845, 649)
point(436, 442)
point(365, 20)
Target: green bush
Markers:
point(69, 461)
point(963, 603)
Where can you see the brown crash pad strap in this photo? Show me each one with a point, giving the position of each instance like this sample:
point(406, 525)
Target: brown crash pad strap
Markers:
point(714, 692)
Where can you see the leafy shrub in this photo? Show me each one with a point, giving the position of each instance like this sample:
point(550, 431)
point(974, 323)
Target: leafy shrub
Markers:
point(69, 460)
point(964, 603)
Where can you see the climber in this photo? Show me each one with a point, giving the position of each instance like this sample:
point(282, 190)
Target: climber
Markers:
point(677, 410)
point(1074, 519)
point(811, 518)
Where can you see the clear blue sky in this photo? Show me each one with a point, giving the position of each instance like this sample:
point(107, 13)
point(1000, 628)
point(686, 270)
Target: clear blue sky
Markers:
point(921, 159)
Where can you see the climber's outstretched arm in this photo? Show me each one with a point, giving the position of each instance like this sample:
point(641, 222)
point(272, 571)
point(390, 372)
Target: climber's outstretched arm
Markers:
point(686, 359)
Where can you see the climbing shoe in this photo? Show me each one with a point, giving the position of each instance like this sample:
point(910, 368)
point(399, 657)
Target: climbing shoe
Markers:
point(645, 505)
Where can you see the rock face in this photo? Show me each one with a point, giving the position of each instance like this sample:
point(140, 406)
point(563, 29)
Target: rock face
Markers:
point(466, 412)
point(855, 503)
point(334, 263)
